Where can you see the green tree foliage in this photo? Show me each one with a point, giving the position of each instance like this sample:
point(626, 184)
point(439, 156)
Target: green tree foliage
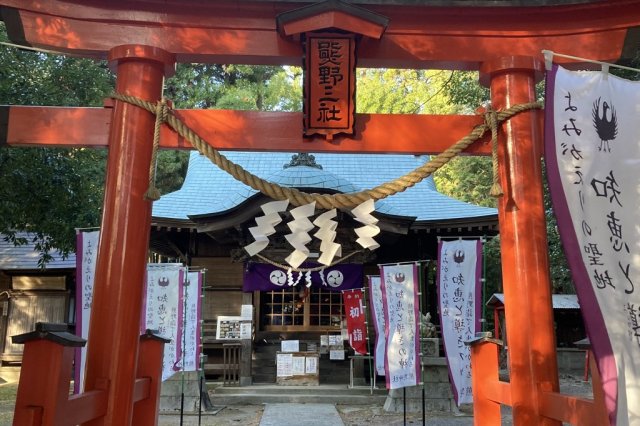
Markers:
point(237, 87)
point(468, 179)
point(398, 91)
point(50, 192)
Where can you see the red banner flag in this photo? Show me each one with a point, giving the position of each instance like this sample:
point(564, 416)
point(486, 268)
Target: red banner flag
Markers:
point(356, 326)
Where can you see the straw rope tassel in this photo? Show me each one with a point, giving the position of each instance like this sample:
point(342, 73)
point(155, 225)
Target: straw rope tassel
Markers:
point(491, 119)
point(153, 193)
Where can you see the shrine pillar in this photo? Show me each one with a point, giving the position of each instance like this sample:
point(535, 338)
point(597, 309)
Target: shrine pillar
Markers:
point(114, 331)
point(530, 333)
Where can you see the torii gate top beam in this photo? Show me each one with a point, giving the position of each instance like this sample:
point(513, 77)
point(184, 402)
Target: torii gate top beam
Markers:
point(420, 35)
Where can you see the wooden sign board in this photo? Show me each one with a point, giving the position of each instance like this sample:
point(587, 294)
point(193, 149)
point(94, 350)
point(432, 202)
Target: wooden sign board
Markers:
point(329, 80)
point(38, 283)
point(228, 328)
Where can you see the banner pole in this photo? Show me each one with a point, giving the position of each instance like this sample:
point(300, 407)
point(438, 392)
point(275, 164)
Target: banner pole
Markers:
point(421, 301)
point(404, 405)
point(483, 320)
point(201, 383)
point(185, 292)
point(366, 324)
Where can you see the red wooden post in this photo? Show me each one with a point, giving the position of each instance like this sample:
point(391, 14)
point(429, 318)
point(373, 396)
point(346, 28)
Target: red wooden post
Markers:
point(46, 373)
point(122, 252)
point(147, 394)
point(525, 264)
point(484, 372)
point(599, 407)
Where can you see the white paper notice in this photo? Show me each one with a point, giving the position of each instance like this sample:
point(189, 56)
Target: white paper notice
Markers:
point(336, 355)
point(311, 365)
point(245, 330)
point(290, 346)
point(335, 340)
point(297, 365)
point(284, 365)
point(246, 312)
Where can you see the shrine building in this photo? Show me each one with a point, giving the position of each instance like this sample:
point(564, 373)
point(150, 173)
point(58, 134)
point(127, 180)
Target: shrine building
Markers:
point(205, 225)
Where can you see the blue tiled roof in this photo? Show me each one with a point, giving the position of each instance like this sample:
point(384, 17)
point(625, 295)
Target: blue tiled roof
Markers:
point(209, 190)
point(26, 257)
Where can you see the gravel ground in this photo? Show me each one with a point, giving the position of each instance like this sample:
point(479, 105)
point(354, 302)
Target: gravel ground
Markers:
point(352, 415)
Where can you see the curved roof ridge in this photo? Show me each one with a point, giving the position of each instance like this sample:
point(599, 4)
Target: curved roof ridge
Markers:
point(208, 190)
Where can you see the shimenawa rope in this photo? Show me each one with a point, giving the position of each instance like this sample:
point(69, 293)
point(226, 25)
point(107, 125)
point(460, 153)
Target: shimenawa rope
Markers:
point(329, 201)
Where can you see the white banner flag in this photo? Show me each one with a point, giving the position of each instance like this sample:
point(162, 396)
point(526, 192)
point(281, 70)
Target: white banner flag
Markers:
point(86, 257)
point(593, 155)
point(459, 270)
point(191, 330)
point(377, 311)
point(163, 309)
point(183, 329)
point(400, 300)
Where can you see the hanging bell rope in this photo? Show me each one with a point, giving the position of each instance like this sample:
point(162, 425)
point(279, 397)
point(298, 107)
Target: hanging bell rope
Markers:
point(329, 201)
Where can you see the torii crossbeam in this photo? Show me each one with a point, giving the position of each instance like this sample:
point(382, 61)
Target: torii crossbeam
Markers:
point(144, 39)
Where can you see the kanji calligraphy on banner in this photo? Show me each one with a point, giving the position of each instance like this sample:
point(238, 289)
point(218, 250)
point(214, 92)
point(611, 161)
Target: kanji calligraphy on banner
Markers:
point(87, 254)
point(400, 300)
point(356, 316)
point(163, 310)
point(592, 152)
point(459, 270)
point(172, 306)
point(377, 312)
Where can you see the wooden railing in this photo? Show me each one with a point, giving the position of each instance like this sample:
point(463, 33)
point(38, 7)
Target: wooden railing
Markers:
point(43, 392)
point(489, 392)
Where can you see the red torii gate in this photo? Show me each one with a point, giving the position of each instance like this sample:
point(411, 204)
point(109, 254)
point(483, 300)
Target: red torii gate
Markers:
point(143, 40)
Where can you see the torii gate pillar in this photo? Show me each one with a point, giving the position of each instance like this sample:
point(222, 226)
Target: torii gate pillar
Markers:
point(114, 331)
point(523, 239)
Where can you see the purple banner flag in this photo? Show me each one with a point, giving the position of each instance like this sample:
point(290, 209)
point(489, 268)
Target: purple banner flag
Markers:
point(401, 316)
point(265, 277)
point(592, 155)
point(377, 312)
point(163, 310)
point(459, 270)
point(171, 304)
point(192, 291)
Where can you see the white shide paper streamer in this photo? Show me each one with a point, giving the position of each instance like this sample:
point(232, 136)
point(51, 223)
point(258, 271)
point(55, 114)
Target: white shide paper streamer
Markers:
point(327, 234)
point(266, 226)
point(299, 236)
point(362, 214)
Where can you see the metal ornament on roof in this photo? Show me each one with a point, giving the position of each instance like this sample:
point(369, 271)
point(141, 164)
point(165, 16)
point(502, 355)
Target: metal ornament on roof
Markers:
point(302, 159)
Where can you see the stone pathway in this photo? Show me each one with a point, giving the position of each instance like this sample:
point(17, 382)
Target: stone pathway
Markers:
point(300, 415)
